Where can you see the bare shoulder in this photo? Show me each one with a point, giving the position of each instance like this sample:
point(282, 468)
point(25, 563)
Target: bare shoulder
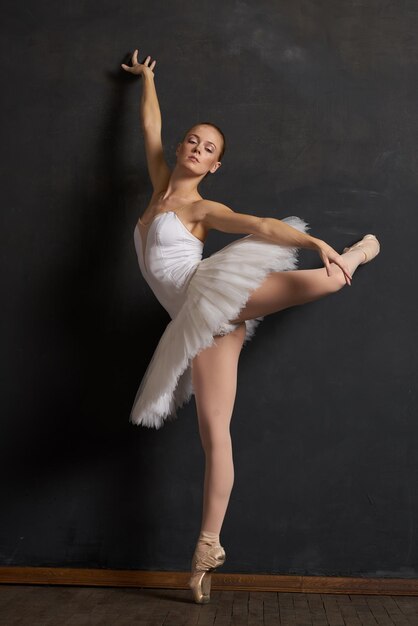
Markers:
point(150, 210)
point(198, 216)
point(208, 208)
point(213, 205)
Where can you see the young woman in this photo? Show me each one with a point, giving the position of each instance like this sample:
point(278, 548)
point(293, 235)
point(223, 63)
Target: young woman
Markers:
point(215, 303)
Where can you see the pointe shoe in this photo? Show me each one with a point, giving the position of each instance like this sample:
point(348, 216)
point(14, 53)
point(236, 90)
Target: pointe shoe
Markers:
point(203, 564)
point(370, 250)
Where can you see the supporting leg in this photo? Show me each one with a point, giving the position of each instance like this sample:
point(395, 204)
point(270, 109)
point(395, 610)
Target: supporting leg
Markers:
point(214, 373)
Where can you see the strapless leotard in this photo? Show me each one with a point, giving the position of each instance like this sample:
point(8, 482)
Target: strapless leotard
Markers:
point(201, 296)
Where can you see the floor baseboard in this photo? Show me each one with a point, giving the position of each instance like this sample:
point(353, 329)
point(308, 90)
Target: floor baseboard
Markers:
point(220, 581)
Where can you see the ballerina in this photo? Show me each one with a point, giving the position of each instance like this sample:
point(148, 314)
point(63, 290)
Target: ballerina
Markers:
point(215, 303)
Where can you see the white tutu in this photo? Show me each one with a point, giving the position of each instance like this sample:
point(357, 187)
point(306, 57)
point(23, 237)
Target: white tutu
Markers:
point(216, 293)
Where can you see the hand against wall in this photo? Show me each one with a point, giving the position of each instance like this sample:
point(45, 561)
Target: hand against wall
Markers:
point(139, 68)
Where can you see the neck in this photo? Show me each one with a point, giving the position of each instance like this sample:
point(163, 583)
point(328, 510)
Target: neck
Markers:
point(181, 186)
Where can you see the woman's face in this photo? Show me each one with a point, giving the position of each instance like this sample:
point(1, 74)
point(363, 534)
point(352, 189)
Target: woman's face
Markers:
point(204, 144)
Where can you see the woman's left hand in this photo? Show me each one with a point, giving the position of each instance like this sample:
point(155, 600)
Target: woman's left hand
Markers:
point(328, 256)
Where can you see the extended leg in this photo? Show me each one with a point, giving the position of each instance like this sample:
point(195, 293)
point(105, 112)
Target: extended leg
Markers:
point(281, 290)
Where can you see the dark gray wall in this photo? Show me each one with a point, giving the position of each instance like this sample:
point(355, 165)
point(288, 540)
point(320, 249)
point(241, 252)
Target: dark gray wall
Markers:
point(318, 100)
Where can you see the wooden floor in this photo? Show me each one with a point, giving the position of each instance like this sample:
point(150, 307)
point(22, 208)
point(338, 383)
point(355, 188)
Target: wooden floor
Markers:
point(42, 605)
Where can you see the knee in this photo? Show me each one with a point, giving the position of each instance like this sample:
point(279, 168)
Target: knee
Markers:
point(216, 440)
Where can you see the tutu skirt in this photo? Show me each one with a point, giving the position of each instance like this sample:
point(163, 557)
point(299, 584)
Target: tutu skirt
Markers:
point(216, 293)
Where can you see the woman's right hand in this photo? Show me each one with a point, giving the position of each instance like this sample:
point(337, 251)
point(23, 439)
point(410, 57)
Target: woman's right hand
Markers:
point(139, 68)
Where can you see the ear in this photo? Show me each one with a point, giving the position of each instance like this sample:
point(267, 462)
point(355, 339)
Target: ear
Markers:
point(215, 167)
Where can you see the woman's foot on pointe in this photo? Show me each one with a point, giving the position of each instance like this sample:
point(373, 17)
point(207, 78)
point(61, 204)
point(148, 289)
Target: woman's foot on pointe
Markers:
point(208, 556)
point(369, 245)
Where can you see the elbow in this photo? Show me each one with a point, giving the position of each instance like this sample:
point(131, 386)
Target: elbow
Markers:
point(263, 227)
point(151, 126)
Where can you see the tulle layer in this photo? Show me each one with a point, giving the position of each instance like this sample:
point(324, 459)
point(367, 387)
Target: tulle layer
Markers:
point(217, 291)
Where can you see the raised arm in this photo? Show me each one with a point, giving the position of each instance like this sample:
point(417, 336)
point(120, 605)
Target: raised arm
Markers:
point(150, 118)
point(223, 218)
